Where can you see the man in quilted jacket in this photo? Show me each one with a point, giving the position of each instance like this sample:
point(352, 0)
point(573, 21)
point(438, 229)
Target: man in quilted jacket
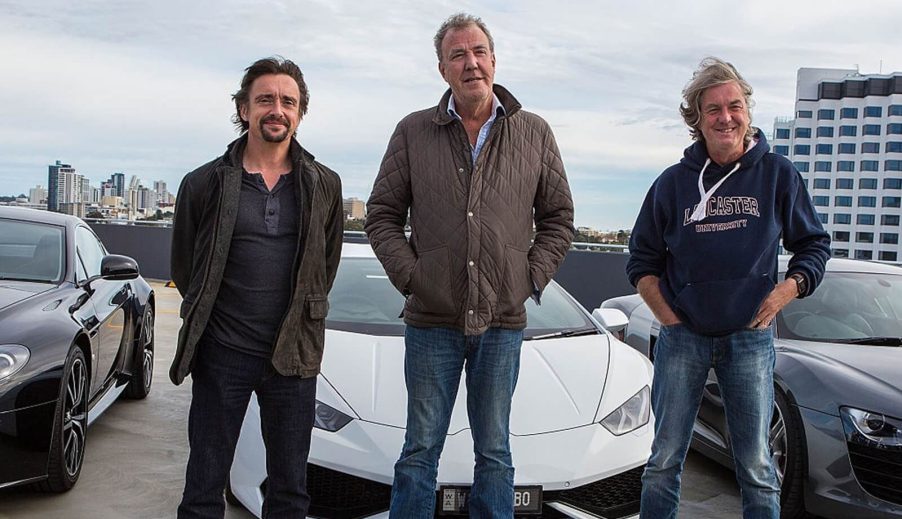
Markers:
point(475, 173)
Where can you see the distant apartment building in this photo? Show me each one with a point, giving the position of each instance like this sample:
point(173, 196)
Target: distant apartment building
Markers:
point(355, 209)
point(60, 185)
point(37, 195)
point(117, 182)
point(846, 140)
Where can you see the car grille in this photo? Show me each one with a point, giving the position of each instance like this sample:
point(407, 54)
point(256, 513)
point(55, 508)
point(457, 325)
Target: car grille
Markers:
point(616, 496)
point(337, 495)
point(879, 471)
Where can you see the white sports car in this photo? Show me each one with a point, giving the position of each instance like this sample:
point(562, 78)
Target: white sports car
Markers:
point(581, 424)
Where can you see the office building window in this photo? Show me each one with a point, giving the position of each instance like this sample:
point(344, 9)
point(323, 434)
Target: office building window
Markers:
point(892, 201)
point(864, 237)
point(782, 133)
point(844, 183)
point(803, 114)
point(894, 129)
point(894, 147)
point(803, 133)
point(889, 237)
point(848, 131)
point(867, 201)
point(864, 219)
point(842, 218)
point(840, 253)
point(845, 148)
point(845, 165)
point(822, 183)
point(895, 109)
point(886, 255)
point(825, 131)
point(869, 165)
point(889, 219)
point(821, 201)
point(848, 113)
point(781, 150)
point(802, 149)
point(842, 201)
point(892, 165)
point(873, 111)
point(826, 114)
point(867, 183)
point(824, 149)
point(840, 235)
point(870, 129)
point(824, 218)
point(870, 147)
point(822, 165)
point(864, 254)
point(892, 183)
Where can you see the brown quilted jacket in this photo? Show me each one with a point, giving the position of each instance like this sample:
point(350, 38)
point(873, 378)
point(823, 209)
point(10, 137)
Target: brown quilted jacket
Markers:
point(470, 262)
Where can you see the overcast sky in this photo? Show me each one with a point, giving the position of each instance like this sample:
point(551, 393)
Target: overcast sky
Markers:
point(144, 87)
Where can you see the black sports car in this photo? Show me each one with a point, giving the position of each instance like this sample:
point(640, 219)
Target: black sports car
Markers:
point(76, 331)
point(836, 435)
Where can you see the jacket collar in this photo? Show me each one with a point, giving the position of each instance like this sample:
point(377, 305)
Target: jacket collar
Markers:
point(508, 101)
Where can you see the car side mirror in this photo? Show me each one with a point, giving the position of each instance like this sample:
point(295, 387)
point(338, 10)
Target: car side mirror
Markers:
point(118, 268)
point(612, 319)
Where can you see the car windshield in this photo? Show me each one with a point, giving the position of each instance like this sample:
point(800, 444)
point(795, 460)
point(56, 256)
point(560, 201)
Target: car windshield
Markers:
point(31, 251)
point(848, 307)
point(363, 300)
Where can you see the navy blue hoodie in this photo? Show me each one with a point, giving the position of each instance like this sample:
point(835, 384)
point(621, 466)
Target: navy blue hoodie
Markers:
point(715, 272)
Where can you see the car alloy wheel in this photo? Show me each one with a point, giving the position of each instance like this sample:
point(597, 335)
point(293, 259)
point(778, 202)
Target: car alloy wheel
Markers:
point(142, 377)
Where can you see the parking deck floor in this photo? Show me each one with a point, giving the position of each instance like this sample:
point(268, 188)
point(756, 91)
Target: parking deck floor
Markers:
point(136, 453)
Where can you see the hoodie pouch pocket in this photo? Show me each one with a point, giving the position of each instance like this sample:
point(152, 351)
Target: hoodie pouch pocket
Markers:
point(723, 306)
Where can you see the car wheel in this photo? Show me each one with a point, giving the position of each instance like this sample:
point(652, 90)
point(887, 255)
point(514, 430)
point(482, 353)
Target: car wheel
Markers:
point(67, 444)
point(140, 381)
point(788, 455)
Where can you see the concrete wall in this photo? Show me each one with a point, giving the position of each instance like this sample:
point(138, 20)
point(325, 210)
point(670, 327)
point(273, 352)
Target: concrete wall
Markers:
point(591, 277)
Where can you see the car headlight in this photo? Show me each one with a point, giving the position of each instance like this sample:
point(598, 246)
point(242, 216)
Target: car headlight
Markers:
point(328, 418)
point(873, 429)
point(633, 414)
point(12, 358)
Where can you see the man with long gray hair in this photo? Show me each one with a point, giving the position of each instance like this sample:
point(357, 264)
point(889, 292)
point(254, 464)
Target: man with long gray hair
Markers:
point(704, 258)
point(475, 173)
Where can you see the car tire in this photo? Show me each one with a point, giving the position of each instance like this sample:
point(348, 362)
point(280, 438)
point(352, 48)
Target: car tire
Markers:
point(139, 384)
point(70, 425)
point(788, 453)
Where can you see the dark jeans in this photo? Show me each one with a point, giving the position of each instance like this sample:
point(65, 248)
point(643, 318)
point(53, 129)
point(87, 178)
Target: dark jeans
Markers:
point(223, 380)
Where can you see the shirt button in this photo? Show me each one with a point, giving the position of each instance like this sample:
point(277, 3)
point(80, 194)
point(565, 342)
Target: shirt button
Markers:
point(470, 312)
point(471, 263)
point(470, 213)
point(460, 170)
point(272, 211)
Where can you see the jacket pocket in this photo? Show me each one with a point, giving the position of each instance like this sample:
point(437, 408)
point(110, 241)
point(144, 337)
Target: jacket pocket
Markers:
point(430, 283)
point(722, 306)
point(317, 307)
point(516, 281)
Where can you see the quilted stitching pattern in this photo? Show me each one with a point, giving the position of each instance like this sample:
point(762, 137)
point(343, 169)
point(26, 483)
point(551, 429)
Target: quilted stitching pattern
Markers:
point(518, 181)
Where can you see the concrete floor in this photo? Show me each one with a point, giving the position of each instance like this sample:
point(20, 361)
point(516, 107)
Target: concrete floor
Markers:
point(136, 453)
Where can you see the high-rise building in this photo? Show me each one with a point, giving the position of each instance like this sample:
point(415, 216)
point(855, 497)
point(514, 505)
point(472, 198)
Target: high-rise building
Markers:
point(59, 184)
point(846, 140)
point(354, 208)
point(118, 182)
point(37, 195)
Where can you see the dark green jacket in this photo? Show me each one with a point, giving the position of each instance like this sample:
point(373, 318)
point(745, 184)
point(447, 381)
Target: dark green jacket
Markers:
point(205, 213)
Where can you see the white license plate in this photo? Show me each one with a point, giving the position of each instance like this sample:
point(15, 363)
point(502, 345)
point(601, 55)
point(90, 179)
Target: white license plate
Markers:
point(454, 500)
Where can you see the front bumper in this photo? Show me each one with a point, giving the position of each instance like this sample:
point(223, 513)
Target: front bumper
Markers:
point(25, 443)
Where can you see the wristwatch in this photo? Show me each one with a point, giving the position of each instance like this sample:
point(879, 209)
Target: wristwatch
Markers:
point(801, 283)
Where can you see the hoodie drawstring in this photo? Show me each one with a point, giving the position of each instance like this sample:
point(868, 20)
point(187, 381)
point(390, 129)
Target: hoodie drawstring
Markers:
point(701, 210)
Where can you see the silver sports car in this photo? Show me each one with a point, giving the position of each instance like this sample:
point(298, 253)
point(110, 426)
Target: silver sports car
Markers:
point(836, 435)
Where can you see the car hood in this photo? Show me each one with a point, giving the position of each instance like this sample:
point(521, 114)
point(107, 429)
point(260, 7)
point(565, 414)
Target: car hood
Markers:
point(559, 387)
point(12, 292)
point(825, 376)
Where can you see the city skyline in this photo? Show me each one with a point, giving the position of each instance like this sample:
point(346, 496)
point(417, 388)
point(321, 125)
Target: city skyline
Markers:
point(145, 88)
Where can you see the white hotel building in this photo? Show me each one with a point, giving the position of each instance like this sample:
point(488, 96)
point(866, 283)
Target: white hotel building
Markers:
point(846, 140)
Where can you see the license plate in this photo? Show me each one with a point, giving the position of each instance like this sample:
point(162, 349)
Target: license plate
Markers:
point(454, 500)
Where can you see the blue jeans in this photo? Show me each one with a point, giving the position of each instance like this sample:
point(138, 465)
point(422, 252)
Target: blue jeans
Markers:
point(433, 362)
point(744, 364)
point(222, 382)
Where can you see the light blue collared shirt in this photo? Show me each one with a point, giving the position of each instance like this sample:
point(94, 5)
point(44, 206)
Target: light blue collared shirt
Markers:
point(484, 131)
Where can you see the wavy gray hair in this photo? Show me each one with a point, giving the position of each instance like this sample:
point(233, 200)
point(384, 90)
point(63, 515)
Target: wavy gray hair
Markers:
point(460, 21)
point(712, 72)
